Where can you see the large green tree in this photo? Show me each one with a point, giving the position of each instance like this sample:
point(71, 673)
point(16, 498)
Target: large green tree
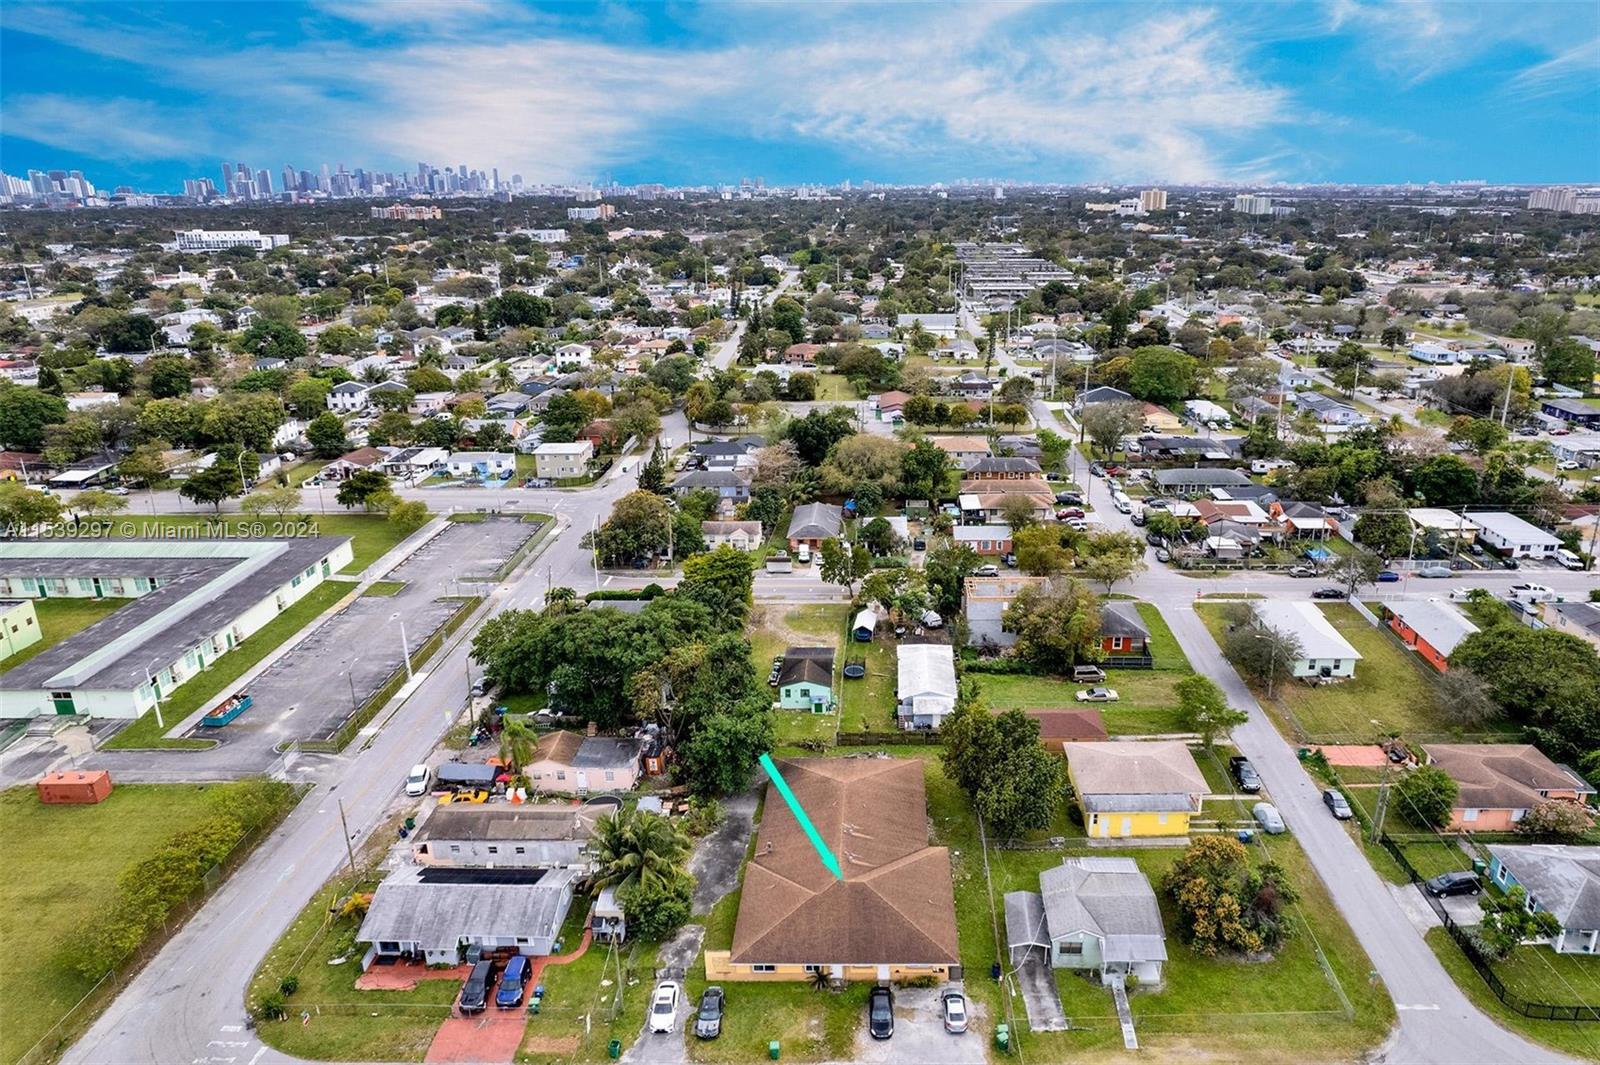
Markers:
point(1161, 374)
point(1015, 784)
point(1057, 625)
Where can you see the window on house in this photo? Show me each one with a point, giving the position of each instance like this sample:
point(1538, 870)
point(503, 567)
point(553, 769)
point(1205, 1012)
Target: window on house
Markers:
point(455, 848)
point(1470, 814)
point(1072, 948)
point(763, 968)
point(494, 850)
point(561, 774)
point(813, 968)
point(522, 850)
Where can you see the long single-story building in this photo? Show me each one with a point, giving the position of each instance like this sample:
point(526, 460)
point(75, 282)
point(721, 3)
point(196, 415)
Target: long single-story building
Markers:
point(436, 914)
point(1430, 628)
point(193, 601)
point(1563, 880)
point(1195, 481)
point(1323, 652)
point(1149, 788)
point(925, 689)
point(1498, 783)
point(1510, 536)
point(506, 836)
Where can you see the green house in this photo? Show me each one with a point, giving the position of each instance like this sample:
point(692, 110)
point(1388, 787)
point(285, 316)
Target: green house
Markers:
point(805, 680)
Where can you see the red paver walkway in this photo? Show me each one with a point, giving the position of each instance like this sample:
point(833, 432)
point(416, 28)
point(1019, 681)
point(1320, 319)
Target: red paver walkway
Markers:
point(495, 1034)
point(405, 975)
point(1367, 755)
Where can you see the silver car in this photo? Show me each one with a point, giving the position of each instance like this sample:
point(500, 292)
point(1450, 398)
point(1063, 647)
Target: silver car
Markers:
point(1268, 818)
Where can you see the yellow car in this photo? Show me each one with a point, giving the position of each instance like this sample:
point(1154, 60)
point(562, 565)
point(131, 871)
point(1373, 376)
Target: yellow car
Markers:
point(474, 795)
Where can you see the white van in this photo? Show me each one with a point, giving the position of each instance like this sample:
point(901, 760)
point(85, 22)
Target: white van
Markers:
point(1121, 501)
point(1567, 559)
point(802, 554)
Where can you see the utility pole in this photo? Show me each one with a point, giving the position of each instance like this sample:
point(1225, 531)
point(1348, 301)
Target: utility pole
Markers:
point(1505, 407)
point(350, 851)
point(1381, 810)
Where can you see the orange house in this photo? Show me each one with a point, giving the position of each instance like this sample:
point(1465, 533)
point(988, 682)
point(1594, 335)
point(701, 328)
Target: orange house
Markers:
point(1500, 782)
point(1430, 628)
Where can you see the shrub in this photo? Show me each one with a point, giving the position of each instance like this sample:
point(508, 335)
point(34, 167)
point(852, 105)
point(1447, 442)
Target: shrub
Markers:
point(288, 985)
point(1426, 796)
point(656, 910)
point(272, 1007)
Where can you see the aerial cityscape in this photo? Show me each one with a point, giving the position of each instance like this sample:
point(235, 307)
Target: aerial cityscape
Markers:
point(706, 533)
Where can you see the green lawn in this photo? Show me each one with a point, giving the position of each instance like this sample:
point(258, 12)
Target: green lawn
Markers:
point(1539, 974)
point(385, 588)
point(821, 626)
point(62, 864)
point(199, 690)
point(60, 618)
point(1390, 691)
point(1146, 705)
point(1220, 1009)
point(371, 535)
point(299, 474)
point(832, 387)
point(1582, 1040)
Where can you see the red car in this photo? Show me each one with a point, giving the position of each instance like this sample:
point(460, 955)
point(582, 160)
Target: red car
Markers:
point(1069, 512)
point(1115, 471)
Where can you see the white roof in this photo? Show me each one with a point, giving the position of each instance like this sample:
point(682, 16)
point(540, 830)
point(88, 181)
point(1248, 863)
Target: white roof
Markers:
point(1441, 519)
point(926, 669)
point(1512, 529)
point(1441, 625)
point(577, 447)
point(1307, 623)
point(980, 532)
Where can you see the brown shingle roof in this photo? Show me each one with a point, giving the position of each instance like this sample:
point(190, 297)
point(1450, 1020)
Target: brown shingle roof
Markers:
point(560, 747)
point(1068, 726)
point(895, 904)
point(1499, 776)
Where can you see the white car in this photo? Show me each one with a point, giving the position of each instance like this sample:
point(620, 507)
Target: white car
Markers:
point(417, 780)
point(1567, 464)
point(1098, 695)
point(664, 1007)
point(1532, 593)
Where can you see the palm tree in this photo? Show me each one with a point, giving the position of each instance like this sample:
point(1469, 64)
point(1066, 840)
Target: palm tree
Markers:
point(517, 743)
point(633, 848)
point(504, 379)
point(559, 594)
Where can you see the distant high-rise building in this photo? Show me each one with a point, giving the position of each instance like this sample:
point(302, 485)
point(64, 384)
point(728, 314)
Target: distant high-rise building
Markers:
point(263, 184)
point(227, 179)
point(289, 183)
point(598, 213)
point(196, 240)
point(1252, 203)
point(1153, 200)
point(1553, 199)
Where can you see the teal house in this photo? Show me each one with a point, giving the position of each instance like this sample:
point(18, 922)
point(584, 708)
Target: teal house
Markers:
point(805, 680)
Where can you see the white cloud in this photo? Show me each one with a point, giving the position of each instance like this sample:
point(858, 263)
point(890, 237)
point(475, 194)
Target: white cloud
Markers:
point(1577, 67)
point(118, 129)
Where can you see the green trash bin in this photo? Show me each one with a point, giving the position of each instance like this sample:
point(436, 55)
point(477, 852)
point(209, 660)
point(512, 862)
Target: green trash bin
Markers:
point(1002, 1037)
point(772, 1050)
point(614, 1049)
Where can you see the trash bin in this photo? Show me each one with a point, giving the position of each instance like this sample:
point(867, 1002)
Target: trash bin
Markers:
point(1480, 866)
point(772, 1050)
point(1002, 1037)
point(1246, 835)
point(1303, 753)
point(533, 1007)
point(614, 1049)
point(994, 970)
point(411, 822)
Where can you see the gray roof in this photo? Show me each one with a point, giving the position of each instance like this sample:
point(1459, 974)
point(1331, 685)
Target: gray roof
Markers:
point(711, 479)
point(468, 822)
point(1583, 615)
point(810, 665)
point(416, 905)
point(1108, 898)
point(1565, 880)
point(1217, 478)
point(1104, 394)
point(1122, 619)
point(1002, 464)
point(606, 752)
point(815, 520)
point(205, 586)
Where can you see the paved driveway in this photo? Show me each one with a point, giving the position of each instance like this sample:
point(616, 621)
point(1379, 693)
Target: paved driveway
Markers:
point(919, 1034)
point(1037, 982)
point(673, 961)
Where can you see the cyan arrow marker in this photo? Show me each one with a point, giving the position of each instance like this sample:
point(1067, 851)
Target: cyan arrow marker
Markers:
point(828, 860)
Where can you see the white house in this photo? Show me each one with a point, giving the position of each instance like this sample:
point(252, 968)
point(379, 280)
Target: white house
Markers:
point(1433, 352)
point(481, 464)
point(740, 535)
point(562, 461)
point(347, 397)
point(926, 687)
point(1205, 412)
point(1323, 652)
point(1510, 536)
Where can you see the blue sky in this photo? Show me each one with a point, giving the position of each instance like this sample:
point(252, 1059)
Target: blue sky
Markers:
point(678, 92)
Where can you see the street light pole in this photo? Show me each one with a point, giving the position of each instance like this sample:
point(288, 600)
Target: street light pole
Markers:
point(156, 690)
point(405, 646)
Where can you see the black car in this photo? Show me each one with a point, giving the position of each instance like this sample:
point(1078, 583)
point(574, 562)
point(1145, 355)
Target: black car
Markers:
point(708, 1022)
point(1245, 773)
point(1157, 502)
point(1328, 593)
point(1155, 539)
point(1069, 497)
point(1462, 883)
point(475, 992)
point(880, 1013)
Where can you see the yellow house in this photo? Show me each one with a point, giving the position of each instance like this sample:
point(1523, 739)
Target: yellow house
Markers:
point(1134, 788)
point(892, 915)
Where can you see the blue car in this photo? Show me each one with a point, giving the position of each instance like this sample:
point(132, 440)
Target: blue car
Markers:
point(509, 997)
point(1387, 576)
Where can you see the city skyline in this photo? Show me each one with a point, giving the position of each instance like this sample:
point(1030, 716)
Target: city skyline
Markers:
point(1342, 93)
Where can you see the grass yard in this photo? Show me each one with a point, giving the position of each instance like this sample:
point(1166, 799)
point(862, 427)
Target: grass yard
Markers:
point(62, 865)
point(1282, 1010)
point(1539, 974)
point(868, 704)
point(299, 474)
point(195, 693)
point(60, 618)
point(1389, 692)
point(1147, 705)
point(1581, 1040)
point(772, 631)
point(835, 388)
point(371, 535)
point(385, 588)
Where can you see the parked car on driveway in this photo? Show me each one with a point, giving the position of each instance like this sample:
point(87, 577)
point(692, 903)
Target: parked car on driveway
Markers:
point(1245, 773)
point(475, 992)
point(1568, 464)
point(880, 1013)
point(1074, 498)
point(664, 1006)
point(1335, 801)
point(509, 997)
point(1098, 695)
point(1328, 593)
point(954, 1005)
point(1532, 593)
point(1459, 883)
point(708, 1022)
point(1268, 818)
point(990, 570)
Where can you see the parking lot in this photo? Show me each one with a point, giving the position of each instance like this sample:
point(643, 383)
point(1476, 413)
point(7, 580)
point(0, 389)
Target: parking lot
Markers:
point(919, 1033)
